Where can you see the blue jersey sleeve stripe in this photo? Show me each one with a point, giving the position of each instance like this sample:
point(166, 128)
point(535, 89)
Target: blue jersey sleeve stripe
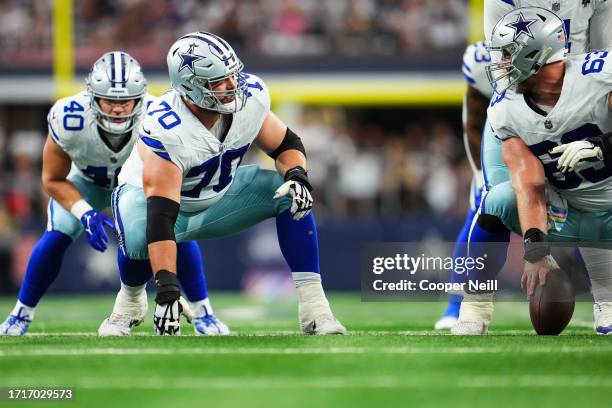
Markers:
point(510, 2)
point(469, 78)
point(53, 133)
point(155, 144)
point(162, 155)
point(465, 66)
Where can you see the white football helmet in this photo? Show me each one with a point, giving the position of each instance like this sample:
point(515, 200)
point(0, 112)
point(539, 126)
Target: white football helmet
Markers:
point(521, 43)
point(196, 61)
point(116, 76)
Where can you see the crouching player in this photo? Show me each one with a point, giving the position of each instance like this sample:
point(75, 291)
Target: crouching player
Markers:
point(183, 181)
point(91, 134)
point(546, 103)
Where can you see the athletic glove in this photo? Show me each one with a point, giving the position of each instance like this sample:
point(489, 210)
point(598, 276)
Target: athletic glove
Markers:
point(298, 188)
point(576, 152)
point(94, 223)
point(167, 317)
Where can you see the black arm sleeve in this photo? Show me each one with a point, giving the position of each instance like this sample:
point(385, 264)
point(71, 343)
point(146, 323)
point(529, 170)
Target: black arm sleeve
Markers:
point(290, 142)
point(604, 141)
point(161, 216)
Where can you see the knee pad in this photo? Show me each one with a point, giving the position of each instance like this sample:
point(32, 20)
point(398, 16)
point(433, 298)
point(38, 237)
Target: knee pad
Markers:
point(491, 223)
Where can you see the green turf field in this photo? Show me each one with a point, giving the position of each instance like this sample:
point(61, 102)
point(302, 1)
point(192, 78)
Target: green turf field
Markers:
point(391, 358)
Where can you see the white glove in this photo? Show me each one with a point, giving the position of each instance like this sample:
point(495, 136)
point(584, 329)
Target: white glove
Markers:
point(302, 199)
point(575, 152)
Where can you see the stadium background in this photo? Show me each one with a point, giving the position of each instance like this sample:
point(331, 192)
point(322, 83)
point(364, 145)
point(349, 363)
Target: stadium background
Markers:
point(373, 87)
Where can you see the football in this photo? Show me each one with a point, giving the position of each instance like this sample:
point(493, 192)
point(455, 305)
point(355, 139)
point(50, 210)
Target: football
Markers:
point(551, 307)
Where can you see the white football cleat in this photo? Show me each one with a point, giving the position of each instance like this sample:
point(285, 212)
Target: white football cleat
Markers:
point(118, 325)
point(445, 323)
point(209, 325)
point(16, 324)
point(167, 317)
point(602, 314)
point(475, 315)
point(127, 313)
point(470, 328)
point(322, 325)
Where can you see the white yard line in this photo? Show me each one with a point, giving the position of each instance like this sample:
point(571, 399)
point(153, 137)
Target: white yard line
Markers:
point(140, 351)
point(277, 382)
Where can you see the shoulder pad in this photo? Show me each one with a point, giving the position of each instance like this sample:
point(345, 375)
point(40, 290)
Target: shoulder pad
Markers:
point(67, 118)
point(475, 59)
point(257, 91)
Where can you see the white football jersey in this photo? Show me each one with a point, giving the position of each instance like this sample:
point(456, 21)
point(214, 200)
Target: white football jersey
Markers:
point(475, 59)
point(582, 111)
point(587, 21)
point(207, 164)
point(73, 126)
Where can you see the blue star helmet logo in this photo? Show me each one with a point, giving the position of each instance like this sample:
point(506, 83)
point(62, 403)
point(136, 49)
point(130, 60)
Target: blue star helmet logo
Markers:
point(189, 58)
point(521, 26)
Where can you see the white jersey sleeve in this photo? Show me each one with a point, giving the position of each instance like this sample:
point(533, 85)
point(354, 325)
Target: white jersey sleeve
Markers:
point(67, 120)
point(501, 116)
point(475, 59)
point(600, 30)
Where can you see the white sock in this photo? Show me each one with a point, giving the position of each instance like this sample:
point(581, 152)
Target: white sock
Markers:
point(311, 298)
point(130, 297)
point(597, 262)
point(477, 306)
point(133, 292)
point(201, 308)
point(23, 310)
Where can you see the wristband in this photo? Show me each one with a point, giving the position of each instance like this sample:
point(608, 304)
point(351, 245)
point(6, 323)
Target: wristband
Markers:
point(168, 289)
point(298, 174)
point(536, 245)
point(79, 208)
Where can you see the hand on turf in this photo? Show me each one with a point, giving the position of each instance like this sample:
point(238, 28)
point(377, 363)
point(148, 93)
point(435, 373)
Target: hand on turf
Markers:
point(575, 152)
point(167, 316)
point(537, 273)
point(301, 198)
point(94, 223)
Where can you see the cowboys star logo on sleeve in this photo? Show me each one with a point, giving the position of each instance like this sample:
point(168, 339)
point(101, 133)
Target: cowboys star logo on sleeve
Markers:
point(189, 58)
point(521, 26)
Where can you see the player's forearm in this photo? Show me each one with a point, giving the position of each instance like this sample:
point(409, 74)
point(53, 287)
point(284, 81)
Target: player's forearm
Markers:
point(604, 142)
point(162, 213)
point(476, 116)
point(62, 191)
point(162, 255)
point(474, 138)
point(531, 205)
point(290, 159)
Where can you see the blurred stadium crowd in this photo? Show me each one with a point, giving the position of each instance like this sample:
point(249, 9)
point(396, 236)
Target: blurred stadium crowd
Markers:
point(257, 27)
